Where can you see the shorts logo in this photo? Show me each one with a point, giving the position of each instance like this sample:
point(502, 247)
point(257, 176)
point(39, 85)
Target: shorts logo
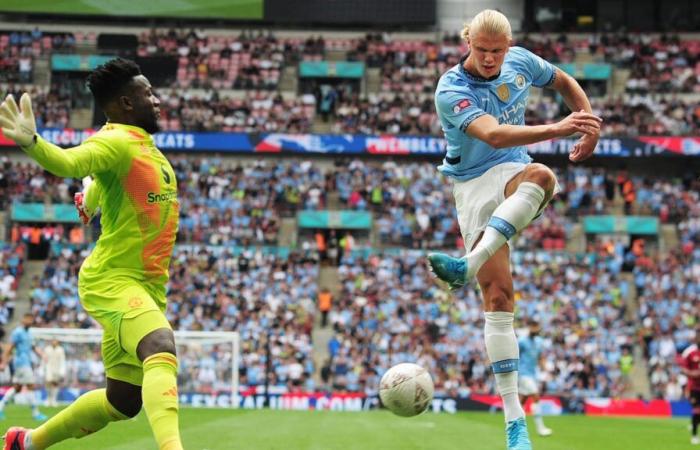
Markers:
point(135, 302)
point(461, 106)
point(519, 81)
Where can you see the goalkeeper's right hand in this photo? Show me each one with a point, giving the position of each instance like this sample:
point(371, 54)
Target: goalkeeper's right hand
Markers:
point(88, 201)
point(17, 125)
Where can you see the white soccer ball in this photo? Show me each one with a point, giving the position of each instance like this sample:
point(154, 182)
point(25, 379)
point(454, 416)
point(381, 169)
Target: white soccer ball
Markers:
point(406, 389)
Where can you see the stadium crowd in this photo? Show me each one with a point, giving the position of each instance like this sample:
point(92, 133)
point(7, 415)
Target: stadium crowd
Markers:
point(259, 111)
point(18, 50)
point(390, 311)
point(254, 60)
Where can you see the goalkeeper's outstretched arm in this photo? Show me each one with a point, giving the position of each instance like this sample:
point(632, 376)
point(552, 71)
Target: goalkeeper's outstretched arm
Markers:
point(18, 124)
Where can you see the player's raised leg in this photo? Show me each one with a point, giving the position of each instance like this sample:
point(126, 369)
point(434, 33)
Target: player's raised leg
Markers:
point(501, 343)
point(527, 194)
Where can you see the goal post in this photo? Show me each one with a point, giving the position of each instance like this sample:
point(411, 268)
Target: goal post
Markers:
point(195, 349)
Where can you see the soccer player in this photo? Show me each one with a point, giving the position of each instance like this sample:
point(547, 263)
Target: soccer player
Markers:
point(690, 365)
point(530, 348)
point(122, 282)
point(55, 370)
point(21, 347)
point(481, 104)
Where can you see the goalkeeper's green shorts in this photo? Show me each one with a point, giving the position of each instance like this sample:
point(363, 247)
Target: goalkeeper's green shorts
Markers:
point(128, 311)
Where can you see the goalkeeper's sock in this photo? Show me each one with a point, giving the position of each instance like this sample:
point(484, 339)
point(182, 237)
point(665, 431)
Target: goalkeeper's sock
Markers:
point(160, 399)
point(90, 413)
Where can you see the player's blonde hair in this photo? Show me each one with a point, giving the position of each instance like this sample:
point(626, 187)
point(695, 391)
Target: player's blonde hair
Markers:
point(488, 21)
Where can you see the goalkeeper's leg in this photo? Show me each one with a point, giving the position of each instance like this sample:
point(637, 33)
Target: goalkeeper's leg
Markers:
point(90, 413)
point(151, 339)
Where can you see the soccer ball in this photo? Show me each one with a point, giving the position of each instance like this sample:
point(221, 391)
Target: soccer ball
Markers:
point(406, 389)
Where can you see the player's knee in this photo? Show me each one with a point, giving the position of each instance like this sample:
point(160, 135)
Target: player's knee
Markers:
point(161, 340)
point(498, 298)
point(542, 176)
point(127, 402)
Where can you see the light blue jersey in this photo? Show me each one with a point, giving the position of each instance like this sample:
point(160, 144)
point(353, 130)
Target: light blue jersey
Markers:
point(23, 342)
point(530, 350)
point(461, 98)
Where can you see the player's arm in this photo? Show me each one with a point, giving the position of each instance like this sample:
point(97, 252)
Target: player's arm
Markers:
point(577, 100)
point(6, 353)
point(38, 351)
point(487, 129)
point(460, 109)
point(91, 157)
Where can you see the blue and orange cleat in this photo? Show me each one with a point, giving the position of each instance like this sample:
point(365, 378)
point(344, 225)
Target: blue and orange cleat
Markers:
point(452, 271)
point(14, 438)
point(517, 436)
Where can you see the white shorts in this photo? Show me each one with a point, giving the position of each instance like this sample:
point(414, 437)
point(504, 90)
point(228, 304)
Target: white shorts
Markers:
point(527, 386)
point(23, 376)
point(478, 198)
point(53, 377)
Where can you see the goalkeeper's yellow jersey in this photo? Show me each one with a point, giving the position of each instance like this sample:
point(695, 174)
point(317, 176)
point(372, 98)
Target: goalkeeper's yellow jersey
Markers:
point(138, 200)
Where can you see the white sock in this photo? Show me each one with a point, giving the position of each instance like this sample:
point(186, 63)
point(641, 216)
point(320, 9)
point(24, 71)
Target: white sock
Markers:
point(53, 396)
point(34, 401)
point(6, 398)
point(502, 348)
point(536, 412)
point(511, 216)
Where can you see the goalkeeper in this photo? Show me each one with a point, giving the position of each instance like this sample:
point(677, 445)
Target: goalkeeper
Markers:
point(122, 282)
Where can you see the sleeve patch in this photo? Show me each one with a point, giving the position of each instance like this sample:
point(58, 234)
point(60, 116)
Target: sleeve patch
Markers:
point(461, 106)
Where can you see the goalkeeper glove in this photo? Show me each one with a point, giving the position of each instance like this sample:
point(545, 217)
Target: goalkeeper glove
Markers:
point(88, 202)
point(18, 125)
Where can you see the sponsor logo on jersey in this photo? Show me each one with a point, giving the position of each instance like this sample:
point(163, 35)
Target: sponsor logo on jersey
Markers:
point(161, 198)
point(519, 81)
point(461, 106)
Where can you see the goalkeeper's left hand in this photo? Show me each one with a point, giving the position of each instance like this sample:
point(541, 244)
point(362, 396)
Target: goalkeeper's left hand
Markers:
point(18, 125)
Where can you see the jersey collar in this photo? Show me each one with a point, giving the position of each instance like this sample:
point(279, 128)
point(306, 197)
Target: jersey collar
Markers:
point(134, 131)
point(472, 77)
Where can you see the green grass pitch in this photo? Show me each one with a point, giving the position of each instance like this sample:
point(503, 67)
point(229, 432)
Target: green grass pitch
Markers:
point(217, 429)
point(227, 9)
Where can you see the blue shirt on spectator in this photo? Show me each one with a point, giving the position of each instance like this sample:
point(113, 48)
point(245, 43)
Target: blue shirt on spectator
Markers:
point(23, 342)
point(530, 350)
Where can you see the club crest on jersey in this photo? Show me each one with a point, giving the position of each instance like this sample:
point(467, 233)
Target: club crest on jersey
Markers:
point(519, 81)
point(461, 106)
point(503, 92)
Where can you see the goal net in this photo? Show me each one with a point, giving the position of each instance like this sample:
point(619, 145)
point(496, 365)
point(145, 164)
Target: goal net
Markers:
point(208, 364)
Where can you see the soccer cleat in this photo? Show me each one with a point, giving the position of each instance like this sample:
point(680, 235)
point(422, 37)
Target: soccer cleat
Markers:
point(14, 438)
point(39, 417)
point(544, 432)
point(695, 440)
point(516, 435)
point(451, 270)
